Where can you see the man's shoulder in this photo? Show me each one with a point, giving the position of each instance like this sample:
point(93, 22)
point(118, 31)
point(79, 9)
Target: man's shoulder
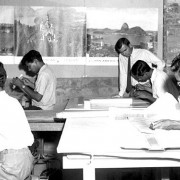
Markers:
point(139, 50)
point(10, 99)
point(160, 74)
point(47, 70)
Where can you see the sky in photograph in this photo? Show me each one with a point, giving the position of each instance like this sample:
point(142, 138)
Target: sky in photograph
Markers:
point(114, 18)
point(7, 14)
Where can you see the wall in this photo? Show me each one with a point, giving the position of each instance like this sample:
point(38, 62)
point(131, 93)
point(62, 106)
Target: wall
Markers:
point(88, 81)
point(171, 29)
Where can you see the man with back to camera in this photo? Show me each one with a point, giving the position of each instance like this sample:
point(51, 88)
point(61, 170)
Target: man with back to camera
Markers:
point(127, 57)
point(43, 91)
point(16, 161)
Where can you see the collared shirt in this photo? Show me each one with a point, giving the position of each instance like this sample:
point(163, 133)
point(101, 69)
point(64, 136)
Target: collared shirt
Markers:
point(15, 132)
point(137, 54)
point(162, 83)
point(46, 86)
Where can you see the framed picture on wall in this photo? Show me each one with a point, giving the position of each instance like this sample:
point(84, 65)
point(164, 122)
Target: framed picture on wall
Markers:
point(6, 31)
point(53, 31)
point(171, 30)
point(74, 35)
point(106, 25)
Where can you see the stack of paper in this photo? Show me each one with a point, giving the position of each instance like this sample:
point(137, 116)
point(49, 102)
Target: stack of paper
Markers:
point(82, 114)
point(126, 113)
point(106, 103)
point(116, 102)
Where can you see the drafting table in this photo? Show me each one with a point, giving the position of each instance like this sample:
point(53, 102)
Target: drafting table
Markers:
point(40, 120)
point(90, 143)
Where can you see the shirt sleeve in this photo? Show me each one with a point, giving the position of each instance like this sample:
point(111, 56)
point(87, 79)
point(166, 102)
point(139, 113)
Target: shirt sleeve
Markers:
point(153, 59)
point(41, 83)
point(159, 86)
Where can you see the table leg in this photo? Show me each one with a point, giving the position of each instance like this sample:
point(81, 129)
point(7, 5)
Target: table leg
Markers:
point(162, 173)
point(165, 174)
point(89, 172)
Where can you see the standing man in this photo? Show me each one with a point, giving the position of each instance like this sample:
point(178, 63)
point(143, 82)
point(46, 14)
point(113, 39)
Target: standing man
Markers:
point(127, 57)
point(16, 161)
point(43, 91)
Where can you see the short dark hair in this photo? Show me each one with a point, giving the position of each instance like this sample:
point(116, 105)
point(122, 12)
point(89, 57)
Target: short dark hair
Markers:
point(120, 42)
point(175, 64)
point(30, 57)
point(3, 75)
point(140, 68)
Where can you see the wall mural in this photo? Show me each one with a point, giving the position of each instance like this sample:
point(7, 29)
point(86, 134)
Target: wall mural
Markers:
point(6, 30)
point(75, 32)
point(106, 25)
point(53, 31)
point(171, 29)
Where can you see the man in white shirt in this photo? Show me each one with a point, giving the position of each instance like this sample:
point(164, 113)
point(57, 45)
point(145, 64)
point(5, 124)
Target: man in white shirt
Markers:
point(125, 50)
point(171, 124)
point(161, 82)
point(16, 161)
point(42, 92)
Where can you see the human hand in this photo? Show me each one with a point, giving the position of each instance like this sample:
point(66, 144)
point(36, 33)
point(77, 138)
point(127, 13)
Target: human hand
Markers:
point(17, 82)
point(26, 81)
point(140, 87)
point(141, 94)
point(117, 96)
point(166, 124)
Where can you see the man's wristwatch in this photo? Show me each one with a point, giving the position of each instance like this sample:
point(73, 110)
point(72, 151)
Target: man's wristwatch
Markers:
point(23, 86)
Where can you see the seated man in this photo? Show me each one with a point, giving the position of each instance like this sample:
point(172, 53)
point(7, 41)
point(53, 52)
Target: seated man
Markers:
point(170, 124)
point(43, 91)
point(16, 160)
point(161, 82)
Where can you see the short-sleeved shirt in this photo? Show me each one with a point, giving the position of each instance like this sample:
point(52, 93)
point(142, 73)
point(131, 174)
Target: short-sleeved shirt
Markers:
point(162, 83)
point(15, 132)
point(46, 86)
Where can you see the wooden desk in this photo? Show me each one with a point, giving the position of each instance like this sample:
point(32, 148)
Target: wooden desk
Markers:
point(43, 120)
point(45, 126)
point(90, 143)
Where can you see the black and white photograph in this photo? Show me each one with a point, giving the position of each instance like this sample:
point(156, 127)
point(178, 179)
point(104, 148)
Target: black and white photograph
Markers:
point(89, 90)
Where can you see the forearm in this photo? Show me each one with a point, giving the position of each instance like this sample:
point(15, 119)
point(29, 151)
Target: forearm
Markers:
point(166, 124)
point(175, 125)
point(148, 89)
point(151, 99)
point(32, 85)
point(122, 84)
point(144, 95)
point(31, 94)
